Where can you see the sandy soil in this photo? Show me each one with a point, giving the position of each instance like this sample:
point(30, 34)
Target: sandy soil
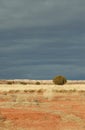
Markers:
point(45, 106)
point(46, 86)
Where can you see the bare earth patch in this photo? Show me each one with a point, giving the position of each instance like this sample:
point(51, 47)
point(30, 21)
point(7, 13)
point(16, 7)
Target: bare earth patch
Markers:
point(42, 107)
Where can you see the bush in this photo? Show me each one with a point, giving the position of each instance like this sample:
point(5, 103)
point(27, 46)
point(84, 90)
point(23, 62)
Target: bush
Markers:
point(37, 83)
point(59, 80)
point(22, 82)
point(9, 82)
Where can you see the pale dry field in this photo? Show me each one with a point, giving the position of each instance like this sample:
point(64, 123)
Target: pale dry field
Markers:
point(46, 85)
point(27, 106)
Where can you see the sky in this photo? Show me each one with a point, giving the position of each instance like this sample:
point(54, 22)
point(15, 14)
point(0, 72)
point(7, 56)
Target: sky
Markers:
point(40, 39)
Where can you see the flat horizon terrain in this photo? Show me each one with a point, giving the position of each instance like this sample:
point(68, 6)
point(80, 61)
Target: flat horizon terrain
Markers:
point(25, 105)
point(47, 85)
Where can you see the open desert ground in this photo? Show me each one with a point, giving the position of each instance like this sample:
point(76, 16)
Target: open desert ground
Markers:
point(25, 105)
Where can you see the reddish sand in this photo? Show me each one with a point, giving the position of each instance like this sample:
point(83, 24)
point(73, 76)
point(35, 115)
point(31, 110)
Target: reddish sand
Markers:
point(33, 111)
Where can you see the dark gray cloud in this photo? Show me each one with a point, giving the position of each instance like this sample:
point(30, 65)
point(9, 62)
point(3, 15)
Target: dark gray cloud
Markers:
point(29, 13)
point(42, 38)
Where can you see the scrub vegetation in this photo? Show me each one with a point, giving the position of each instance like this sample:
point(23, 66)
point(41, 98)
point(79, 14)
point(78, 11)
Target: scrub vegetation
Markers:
point(59, 80)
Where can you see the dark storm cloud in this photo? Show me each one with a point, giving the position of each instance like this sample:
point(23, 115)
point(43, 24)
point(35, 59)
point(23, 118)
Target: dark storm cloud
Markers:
point(27, 13)
point(42, 38)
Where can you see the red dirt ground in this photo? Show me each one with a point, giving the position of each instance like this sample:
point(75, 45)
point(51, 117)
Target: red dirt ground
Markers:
point(65, 111)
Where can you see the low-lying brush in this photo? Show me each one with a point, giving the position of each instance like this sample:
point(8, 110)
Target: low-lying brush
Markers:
point(24, 83)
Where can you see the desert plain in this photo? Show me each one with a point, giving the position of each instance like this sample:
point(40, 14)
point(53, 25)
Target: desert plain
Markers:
point(26, 105)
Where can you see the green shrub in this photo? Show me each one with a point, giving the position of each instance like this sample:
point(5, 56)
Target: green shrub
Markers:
point(37, 83)
point(59, 80)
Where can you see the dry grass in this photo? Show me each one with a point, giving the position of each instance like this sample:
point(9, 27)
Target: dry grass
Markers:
point(40, 90)
point(15, 86)
point(23, 83)
point(32, 91)
point(2, 118)
point(51, 99)
point(65, 91)
point(26, 91)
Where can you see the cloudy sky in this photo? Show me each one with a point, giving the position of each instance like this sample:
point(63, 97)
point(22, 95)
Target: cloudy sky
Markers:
point(42, 38)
